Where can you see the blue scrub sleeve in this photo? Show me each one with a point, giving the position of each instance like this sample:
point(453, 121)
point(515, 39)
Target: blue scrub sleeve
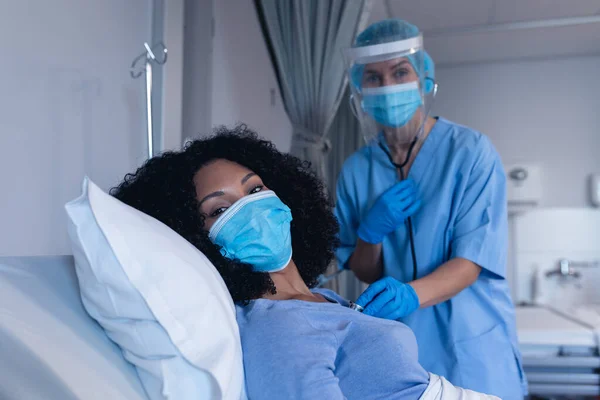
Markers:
point(347, 216)
point(480, 229)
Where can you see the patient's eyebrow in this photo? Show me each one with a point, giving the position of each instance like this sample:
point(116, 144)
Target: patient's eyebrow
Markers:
point(210, 196)
point(245, 179)
point(221, 193)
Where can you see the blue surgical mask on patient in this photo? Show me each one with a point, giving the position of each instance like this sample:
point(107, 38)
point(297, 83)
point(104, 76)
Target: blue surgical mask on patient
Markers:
point(392, 105)
point(256, 230)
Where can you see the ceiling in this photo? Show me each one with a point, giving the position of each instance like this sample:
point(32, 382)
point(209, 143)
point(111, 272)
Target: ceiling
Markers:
point(475, 31)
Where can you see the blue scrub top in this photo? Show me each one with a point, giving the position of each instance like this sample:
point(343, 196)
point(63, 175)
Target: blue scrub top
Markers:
point(471, 338)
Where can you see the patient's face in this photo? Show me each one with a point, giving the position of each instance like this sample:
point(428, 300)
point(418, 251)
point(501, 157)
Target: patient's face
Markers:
point(221, 183)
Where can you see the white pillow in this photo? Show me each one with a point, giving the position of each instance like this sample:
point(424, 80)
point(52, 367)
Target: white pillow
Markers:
point(158, 298)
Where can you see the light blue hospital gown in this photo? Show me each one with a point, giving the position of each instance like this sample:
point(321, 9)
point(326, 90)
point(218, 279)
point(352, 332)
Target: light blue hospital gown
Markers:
point(471, 338)
point(295, 349)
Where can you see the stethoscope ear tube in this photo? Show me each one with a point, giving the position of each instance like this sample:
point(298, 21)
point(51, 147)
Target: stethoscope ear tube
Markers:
point(400, 168)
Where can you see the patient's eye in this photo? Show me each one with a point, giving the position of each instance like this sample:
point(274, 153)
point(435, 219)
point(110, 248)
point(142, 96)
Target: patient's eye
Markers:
point(218, 212)
point(256, 189)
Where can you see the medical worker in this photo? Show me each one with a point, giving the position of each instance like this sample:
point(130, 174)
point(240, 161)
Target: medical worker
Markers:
point(422, 212)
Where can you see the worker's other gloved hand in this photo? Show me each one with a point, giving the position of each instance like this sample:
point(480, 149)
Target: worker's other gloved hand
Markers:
point(389, 211)
point(389, 298)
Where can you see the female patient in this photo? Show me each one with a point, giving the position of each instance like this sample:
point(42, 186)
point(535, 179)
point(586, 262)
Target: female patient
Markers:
point(266, 224)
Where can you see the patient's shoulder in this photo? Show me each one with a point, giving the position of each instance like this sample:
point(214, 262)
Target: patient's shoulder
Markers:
point(267, 317)
point(280, 327)
point(331, 296)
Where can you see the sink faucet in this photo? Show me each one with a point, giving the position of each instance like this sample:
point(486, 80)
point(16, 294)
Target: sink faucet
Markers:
point(565, 268)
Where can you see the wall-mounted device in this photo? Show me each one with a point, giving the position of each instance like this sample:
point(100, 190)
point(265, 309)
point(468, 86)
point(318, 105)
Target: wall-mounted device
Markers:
point(595, 189)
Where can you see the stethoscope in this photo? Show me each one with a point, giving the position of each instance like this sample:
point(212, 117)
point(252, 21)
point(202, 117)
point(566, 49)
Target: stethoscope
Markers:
point(400, 169)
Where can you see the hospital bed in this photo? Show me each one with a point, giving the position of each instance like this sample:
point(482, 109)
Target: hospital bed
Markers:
point(49, 347)
point(556, 273)
point(560, 354)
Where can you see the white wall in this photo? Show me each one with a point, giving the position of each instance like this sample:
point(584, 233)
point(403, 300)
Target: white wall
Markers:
point(68, 108)
point(242, 75)
point(546, 112)
point(198, 49)
point(172, 99)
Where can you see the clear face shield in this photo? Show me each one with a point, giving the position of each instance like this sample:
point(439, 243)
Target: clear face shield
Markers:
point(391, 93)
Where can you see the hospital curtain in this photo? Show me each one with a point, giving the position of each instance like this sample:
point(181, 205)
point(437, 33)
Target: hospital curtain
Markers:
point(305, 39)
point(345, 137)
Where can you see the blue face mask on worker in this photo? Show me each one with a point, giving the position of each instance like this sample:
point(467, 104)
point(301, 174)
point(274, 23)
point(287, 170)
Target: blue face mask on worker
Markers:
point(256, 230)
point(392, 105)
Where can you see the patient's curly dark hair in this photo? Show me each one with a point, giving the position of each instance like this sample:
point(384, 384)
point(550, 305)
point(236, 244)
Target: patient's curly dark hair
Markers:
point(164, 189)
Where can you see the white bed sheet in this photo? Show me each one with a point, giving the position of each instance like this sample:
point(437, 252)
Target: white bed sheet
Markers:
point(49, 347)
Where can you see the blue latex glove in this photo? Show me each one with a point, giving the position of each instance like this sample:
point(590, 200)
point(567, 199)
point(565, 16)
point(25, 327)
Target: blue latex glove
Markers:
point(389, 211)
point(389, 298)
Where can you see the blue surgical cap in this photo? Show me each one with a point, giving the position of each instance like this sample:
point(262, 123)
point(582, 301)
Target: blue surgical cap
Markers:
point(392, 30)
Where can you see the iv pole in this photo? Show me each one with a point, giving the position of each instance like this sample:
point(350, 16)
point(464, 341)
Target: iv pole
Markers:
point(142, 64)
